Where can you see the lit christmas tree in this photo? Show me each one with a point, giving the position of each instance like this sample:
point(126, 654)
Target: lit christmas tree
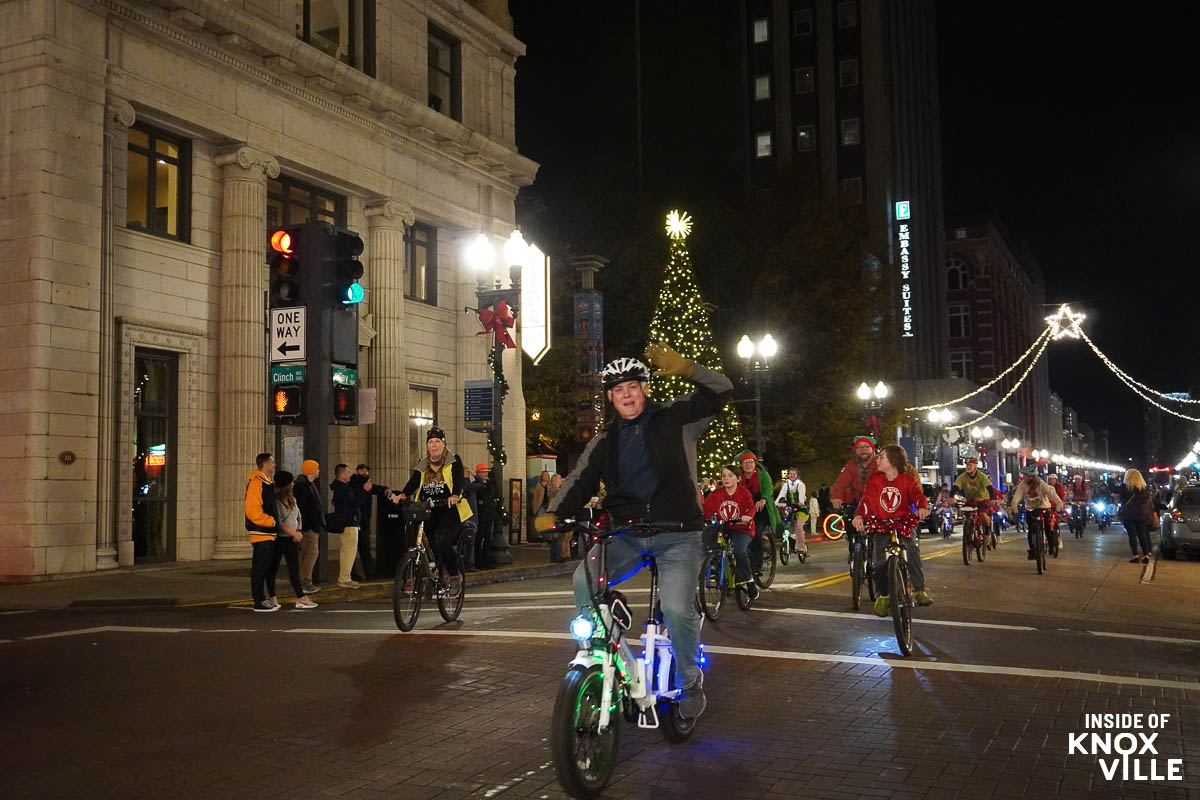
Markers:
point(681, 320)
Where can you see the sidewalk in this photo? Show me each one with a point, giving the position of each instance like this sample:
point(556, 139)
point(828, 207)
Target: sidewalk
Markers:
point(222, 583)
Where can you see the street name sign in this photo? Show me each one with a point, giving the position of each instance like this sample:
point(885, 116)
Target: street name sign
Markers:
point(287, 334)
point(292, 373)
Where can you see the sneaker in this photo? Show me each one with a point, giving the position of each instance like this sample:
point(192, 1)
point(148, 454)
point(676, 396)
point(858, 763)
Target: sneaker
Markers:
point(310, 588)
point(923, 598)
point(350, 584)
point(752, 590)
point(265, 606)
point(304, 602)
point(694, 702)
point(273, 600)
point(881, 605)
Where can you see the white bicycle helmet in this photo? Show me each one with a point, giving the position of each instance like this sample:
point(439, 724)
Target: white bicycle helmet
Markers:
point(621, 370)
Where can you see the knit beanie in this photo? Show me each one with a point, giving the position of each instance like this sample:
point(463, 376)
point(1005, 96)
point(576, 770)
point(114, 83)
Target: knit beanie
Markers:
point(283, 478)
point(309, 467)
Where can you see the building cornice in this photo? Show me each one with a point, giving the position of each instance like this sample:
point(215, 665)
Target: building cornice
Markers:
point(481, 30)
point(240, 41)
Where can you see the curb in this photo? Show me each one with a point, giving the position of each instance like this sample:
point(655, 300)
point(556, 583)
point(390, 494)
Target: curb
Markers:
point(375, 590)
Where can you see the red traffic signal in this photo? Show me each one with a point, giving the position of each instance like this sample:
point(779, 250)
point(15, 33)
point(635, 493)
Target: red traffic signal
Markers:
point(285, 264)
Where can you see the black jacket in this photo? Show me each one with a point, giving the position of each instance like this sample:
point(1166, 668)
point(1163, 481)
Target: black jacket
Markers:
point(671, 437)
point(357, 482)
point(309, 500)
point(1137, 505)
point(345, 503)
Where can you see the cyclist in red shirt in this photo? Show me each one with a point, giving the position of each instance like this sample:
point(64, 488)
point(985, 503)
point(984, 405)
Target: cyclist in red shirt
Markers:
point(892, 494)
point(733, 504)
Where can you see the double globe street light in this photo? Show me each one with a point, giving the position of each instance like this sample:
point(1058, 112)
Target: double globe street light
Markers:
point(480, 256)
point(758, 361)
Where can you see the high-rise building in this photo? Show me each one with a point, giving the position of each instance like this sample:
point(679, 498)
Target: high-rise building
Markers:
point(845, 92)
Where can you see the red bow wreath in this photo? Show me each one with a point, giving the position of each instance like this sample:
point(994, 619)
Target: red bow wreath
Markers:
point(903, 526)
point(873, 423)
point(498, 321)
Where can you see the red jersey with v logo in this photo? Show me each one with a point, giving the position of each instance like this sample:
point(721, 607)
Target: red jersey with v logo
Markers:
point(895, 498)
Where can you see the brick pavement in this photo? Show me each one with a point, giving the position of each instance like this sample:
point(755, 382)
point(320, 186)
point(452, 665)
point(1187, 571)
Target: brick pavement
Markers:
point(271, 715)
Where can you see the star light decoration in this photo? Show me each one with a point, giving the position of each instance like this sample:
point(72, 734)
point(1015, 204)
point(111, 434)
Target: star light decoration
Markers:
point(1065, 323)
point(679, 225)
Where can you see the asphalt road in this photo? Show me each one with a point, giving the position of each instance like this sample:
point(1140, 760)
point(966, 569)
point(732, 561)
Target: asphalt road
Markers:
point(806, 698)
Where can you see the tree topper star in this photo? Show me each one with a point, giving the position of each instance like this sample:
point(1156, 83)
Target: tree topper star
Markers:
point(1065, 323)
point(678, 225)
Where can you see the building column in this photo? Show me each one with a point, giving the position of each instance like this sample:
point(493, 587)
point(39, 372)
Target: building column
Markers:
point(118, 116)
point(387, 442)
point(241, 397)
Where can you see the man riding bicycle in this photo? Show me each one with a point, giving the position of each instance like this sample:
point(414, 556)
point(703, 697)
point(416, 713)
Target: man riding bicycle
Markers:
point(1037, 494)
point(848, 488)
point(975, 486)
point(646, 458)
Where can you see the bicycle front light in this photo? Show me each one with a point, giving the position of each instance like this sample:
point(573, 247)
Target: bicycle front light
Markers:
point(1098, 506)
point(582, 629)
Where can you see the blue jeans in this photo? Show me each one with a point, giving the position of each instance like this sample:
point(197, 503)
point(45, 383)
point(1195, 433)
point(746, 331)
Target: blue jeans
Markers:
point(679, 556)
point(741, 554)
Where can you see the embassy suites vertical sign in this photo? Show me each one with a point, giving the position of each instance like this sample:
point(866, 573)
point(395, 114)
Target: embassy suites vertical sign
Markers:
point(904, 240)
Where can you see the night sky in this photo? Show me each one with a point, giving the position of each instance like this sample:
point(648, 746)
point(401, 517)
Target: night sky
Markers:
point(1077, 126)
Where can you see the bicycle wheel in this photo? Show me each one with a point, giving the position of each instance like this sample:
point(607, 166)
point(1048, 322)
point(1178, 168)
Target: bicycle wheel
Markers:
point(767, 572)
point(712, 586)
point(407, 591)
point(742, 594)
point(834, 527)
point(675, 728)
point(966, 542)
point(901, 603)
point(583, 756)
point(785, 546)
point(857, 569)
point(868, 557)
point(1039, 553)
point(980, 545)
point(451, 606)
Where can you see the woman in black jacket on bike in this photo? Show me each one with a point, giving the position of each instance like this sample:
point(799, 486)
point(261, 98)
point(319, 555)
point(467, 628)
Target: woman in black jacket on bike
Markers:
point(439, 479)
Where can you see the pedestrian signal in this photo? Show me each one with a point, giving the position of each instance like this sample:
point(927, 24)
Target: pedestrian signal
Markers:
point(287, 404)
point(345, 403)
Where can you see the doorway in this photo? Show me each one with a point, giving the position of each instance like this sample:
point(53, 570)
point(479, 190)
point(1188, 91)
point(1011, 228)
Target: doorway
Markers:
point(155, 410)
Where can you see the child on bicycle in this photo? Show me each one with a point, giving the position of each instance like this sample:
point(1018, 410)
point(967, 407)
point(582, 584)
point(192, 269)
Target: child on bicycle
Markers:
point(792, 495)
point(889, 499)
point(733, 504)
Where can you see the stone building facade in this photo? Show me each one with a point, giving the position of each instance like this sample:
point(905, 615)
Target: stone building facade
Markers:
point(147, 148)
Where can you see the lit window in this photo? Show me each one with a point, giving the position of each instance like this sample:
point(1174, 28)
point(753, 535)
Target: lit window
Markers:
point(761, 30)
point(957, 275)
point(159, 173)
point(960, 364)
point(847, 14)
point(848, 72)
point(762, 145)
point(852, 190)
point(960, 321)
point(445, 74)
point(960, 233)
point(762, 87)
point(805, 80)
point(422, 415)
point(802, 22)
point(290, 202)
point(851, 132)
point(806, 137)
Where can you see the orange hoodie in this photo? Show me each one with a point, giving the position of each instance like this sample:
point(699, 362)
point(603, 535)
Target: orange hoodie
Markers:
point(259, 524)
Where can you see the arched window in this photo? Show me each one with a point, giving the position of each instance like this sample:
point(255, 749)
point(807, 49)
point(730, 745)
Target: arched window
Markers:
point(958, 276)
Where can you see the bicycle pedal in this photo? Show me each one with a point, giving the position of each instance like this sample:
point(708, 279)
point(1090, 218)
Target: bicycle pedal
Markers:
point(648, 718)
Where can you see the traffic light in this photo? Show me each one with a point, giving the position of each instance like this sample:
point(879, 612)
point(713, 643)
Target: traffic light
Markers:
point(345, 403)
point(348, 245)
point(287, 404)
point(286, 247)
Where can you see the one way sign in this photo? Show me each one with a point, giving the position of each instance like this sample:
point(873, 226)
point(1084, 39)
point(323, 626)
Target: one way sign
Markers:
point(287, 334)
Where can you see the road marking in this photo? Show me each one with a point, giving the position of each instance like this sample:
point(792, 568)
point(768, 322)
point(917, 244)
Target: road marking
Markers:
point(864, 616)
point(547, 594)
point(25, 611)
point(1168, 639)
point(838, 577)
point(1148, 573)
point(790, 655)
point(465, 608)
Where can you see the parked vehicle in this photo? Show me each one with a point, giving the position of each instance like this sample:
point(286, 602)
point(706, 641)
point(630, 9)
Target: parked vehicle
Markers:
point(1180, 523)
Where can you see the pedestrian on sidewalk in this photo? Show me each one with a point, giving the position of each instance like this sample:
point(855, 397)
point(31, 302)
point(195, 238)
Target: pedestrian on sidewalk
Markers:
point(262, 523)
point(1137, 515)
point(366, 490)
point(312, 522)
point(470, 528)
point(485, 505)
point(286, 540)
point(345, 505)
point(560, 545)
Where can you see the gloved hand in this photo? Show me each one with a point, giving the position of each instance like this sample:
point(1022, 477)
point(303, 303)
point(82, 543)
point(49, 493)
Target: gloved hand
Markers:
point(668, 361)
point(544, 522)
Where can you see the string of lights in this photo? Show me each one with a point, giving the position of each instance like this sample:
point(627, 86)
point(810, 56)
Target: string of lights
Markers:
point(1130, 379)
point(1003, 400)
point(1039, 340)
point(1145, 396)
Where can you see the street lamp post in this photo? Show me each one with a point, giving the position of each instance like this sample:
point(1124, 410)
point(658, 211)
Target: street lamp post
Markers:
point(758, 360)
point(1011, 448)
point(481, 255)
point(872, 399)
